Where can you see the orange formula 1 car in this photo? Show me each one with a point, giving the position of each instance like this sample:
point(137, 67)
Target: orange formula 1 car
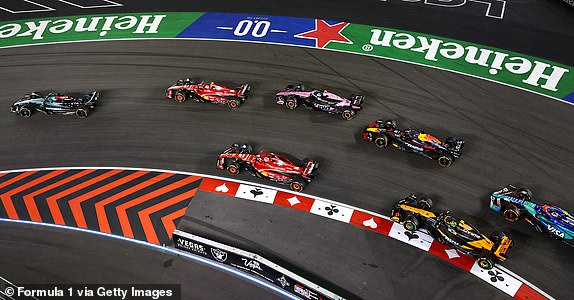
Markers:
point(414, 213)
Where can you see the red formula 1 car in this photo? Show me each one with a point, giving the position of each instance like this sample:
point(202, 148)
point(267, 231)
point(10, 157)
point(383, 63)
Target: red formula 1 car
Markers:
point(267, 165)
point(207, 92)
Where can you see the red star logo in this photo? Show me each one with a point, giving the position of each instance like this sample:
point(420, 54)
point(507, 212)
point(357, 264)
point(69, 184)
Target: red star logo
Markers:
point(324, 33)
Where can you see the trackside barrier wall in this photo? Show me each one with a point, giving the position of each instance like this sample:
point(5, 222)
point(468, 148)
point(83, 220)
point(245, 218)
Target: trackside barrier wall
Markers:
point(251, 263)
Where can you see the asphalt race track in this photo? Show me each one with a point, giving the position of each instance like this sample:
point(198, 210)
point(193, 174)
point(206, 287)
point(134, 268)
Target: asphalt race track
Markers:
point(353, 262)
point(511, 136)
point(37, 255)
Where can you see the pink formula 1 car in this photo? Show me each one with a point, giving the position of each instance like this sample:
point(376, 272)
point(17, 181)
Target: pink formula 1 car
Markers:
point(208, 92)
point(294, 95)
point(267, 165)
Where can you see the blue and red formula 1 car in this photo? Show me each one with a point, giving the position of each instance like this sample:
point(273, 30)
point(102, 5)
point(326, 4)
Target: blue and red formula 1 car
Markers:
point(516, 204)
point(383, 133)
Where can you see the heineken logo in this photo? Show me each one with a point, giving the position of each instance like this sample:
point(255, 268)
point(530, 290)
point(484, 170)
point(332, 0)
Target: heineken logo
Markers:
point(522, 71)
point(535, 73)
point(101, 25)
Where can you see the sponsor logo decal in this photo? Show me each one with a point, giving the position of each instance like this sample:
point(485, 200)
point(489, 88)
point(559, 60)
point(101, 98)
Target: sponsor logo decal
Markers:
point(283, 281)
point(555, 231)
point(522, 71)
point(414, 147)
point(143, 24)
point(191, 246)
point(307, 293)
point(323, 107)
point(535, 73)
point(451, 241)
point(94, 27)
point(219, 254)
point(252, 264)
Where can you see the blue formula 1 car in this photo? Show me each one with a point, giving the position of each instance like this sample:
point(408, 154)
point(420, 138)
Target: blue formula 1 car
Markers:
point(55, 104)
point(516, 204)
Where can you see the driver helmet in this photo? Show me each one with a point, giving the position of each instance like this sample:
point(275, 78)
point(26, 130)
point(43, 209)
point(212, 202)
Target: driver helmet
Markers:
point(450, 220)
point(319, 94)
point(390, 124)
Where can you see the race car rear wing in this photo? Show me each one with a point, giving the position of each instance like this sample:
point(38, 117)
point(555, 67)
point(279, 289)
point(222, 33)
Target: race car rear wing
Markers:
point(455, 146)
point(505, 195)
point(357, 101)
point(91, 98)
point(299, 87)
point(235, 151)
point(243, 89)
point(506, 190)
point(310, 168)
point(227, 152)
point(416, 210)
point(503, 247)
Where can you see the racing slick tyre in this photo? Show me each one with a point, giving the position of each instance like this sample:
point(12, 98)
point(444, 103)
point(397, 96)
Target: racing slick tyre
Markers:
point(450, 142)
point(291, 103)
point(445, 160)
point(511, 214)
point(82, 112)
point(179, 96)
point(411, 223)
point(425, 203)
point(381, 141)
point(485, 263)
point(25, 112)
point(233, 168)
point(497, 237)
point(348, 114)
point(524, 194)
point(298, 184)
point(233, 103)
